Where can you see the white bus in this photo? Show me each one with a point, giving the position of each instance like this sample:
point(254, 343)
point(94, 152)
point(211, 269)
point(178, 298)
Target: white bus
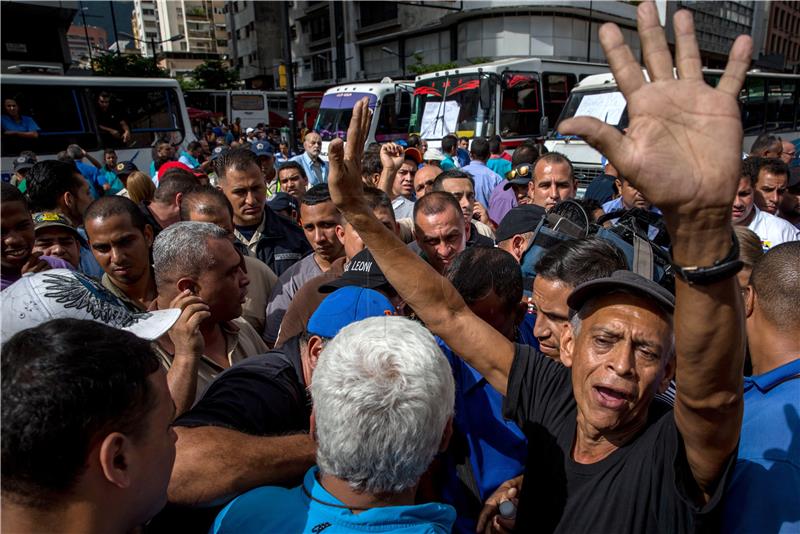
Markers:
point(390, 101)
point(250, 107)
point(516, 98)
point(67, 112)
point(769, 102)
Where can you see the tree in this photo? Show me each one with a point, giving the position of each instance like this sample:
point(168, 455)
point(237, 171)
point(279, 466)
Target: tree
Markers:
point(128, 65)
point(215, 74)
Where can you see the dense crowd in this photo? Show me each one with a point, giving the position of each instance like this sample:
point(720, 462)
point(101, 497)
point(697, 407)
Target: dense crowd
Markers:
point(402, 338)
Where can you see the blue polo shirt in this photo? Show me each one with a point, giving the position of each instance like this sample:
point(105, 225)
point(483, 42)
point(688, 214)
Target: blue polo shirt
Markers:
point(25, 124)
point(309, 508)
point(497, 448)
point(764, 493)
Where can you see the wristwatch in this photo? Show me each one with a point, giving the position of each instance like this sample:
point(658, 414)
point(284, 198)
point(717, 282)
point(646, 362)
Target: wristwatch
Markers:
point(722, 269)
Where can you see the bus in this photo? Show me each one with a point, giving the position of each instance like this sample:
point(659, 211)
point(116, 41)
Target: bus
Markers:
point(306, 108)
point(250, 107)
point(515, 98)
point(67, 112)
point(391, 104)
point(769, 102)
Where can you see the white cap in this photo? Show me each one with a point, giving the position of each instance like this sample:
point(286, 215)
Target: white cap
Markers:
point(64, 294)
point(249, 131)
point(433, 154)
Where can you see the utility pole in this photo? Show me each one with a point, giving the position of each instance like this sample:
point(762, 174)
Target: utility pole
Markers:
point(589, 35)
point(86, 33)
point(287, 61)
point(114, 24)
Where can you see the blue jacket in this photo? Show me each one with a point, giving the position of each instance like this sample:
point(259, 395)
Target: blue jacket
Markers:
point(310, 508)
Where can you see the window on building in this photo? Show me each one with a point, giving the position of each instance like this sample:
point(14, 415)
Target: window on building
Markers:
point(520, 109)
point(376, 12)
point(321, 66)
point(319, 27)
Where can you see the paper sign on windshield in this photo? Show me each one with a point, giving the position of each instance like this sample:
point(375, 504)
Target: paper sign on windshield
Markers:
point(607, 107)
point(439, 119)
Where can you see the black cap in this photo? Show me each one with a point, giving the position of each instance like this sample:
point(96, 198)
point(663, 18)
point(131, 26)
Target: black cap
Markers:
point(125, 167)
point(520, 180)
point(23, 162)
point(362, 271)
point(622, 280)
point(283, 201)
point(519, 220)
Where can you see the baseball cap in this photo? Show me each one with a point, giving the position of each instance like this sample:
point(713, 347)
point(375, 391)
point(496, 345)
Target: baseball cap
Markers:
point(519, 220)
point(283, 201)
point(345, 306)
point(433, 154)
point(627, 280)
point(172, 165)
point(250, 130)
point(218, 152)
point(50, 219)
point(262, 148)
point(23, 162)
point(65, 294)
point(125, 167)
point(413, 154)
point(362, 271)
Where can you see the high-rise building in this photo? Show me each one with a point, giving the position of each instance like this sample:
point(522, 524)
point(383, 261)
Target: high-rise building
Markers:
point(256, 41)
point(783, 34)
point(184, 33)
point(86, 42)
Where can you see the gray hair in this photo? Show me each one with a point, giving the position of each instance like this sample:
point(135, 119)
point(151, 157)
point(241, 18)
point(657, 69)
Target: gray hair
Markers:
point(383, 395)
point(181, 249)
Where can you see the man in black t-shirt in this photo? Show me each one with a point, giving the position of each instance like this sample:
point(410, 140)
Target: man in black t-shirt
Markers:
point(603, 457)
point(114, 130)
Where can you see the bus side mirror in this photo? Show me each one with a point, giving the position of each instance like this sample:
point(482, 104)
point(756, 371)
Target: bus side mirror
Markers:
point(544, 125)
point(486, 93)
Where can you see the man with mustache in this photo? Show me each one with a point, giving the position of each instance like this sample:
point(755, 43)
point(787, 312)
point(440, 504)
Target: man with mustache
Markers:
point(603, 457)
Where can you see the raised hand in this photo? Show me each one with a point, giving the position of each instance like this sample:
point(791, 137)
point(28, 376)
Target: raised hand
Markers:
point(392, 156)
point(683, 147)
point(185, 334)
point(344, 160)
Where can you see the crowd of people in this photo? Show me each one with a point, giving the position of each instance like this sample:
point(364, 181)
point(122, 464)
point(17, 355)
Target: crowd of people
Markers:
point(241, 339)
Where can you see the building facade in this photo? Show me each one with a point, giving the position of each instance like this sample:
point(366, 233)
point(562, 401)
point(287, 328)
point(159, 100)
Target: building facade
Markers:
point(783, 34)
point(183, 33)
point(256, 43)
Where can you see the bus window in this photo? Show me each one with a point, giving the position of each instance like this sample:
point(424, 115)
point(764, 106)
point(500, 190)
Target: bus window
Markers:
point(151, 114)
point(60, 113)
point(519, 109)
point(556, 90)
point(247, 102)
point(752, 101)
point(390, 125)
point(781, 103)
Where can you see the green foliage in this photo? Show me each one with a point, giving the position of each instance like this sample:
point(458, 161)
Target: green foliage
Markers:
point(214, 74)
point(424, 68)
point(479, 60)
point(187, 83)
point(128, 65)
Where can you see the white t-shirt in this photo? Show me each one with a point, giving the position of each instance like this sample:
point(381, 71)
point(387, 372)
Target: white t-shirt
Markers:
point(772, 230)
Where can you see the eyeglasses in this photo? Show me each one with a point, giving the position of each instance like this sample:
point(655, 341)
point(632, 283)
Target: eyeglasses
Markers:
point(520, 171)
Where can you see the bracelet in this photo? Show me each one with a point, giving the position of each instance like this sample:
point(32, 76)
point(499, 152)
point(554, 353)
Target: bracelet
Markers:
point(722, 269)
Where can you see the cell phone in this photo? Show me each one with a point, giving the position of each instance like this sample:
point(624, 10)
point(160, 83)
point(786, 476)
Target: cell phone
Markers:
point(507, 510)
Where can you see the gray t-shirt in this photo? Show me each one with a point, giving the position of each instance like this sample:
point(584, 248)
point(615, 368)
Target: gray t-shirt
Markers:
point(288, 284)
point(403, 208)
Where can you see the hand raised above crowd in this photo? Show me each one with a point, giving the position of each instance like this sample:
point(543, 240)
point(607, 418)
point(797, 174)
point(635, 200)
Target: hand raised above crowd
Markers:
point(683, 146)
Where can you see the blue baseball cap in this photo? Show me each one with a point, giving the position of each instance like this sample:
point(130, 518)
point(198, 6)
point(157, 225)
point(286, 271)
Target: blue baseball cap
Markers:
point(283, 201)
point(218, 152)
point(262, 148)
point(345, 306)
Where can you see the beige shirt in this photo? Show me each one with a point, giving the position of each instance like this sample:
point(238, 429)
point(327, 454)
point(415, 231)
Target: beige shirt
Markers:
point(252, 245)
point(262, 282)
point(241, 341)
point(129, 303)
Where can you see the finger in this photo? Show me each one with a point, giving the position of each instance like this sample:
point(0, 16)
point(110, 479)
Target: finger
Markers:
point(194, 321)
point(335, 156)
point(655, 51)
point(687, 53)
point(602, 137)
point(626, 69)
point(736, 69)
point(366, 119)
point(488, 511)
point(354, 131)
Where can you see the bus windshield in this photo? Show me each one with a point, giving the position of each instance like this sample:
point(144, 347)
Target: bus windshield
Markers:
point(448, 105)
point(608, 105)
point(335, 112)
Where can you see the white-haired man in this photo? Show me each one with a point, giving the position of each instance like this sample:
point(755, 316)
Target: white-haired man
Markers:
point(383, 407)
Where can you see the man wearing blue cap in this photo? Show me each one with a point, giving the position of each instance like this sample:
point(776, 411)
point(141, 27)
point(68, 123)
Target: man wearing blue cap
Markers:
point(265, 157)
point(250, 427)
point(383, 408)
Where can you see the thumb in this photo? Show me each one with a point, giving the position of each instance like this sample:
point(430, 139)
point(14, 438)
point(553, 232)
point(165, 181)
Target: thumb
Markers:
point(601, 136)
point(512, 493)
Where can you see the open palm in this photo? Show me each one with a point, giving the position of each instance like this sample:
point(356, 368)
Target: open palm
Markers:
point(683, 146)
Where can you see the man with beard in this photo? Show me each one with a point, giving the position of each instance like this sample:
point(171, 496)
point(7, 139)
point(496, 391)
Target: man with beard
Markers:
point(316, 168)
point(321, 222)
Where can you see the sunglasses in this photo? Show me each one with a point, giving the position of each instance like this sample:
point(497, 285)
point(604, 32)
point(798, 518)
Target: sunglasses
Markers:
point(520, 171)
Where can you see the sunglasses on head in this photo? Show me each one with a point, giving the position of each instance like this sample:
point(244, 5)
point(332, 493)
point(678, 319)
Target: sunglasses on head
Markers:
point(520, 171)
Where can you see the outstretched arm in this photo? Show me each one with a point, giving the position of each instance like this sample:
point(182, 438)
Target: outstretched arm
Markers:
point(682, 151)
point(432, 297)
